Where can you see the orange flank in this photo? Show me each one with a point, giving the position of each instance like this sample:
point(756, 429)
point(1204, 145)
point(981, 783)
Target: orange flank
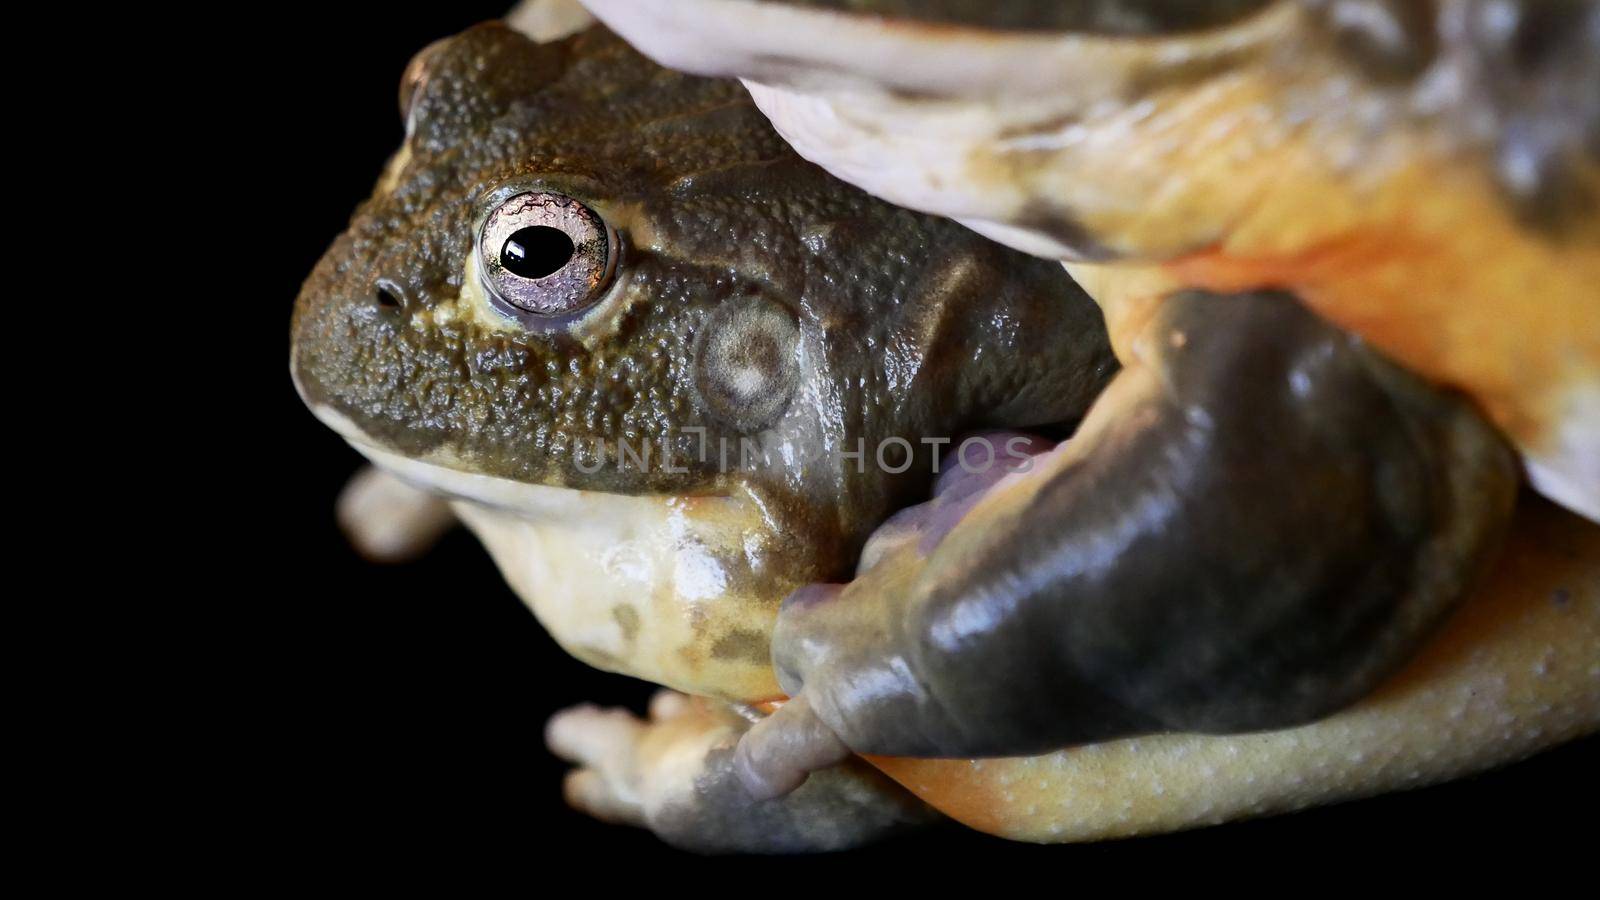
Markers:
point(1514, 329)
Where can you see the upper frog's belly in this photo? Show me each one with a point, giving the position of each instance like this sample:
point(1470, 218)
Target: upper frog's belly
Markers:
point(680, 591)
point(644, 586)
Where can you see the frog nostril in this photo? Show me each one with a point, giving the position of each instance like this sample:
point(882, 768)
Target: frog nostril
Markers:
point(389, 295)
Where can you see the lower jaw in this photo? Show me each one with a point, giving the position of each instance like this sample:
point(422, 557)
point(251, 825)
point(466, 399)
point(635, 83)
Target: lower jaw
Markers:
point(680, 591)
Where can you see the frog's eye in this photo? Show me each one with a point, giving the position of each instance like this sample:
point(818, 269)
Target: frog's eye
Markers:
point(545, 255)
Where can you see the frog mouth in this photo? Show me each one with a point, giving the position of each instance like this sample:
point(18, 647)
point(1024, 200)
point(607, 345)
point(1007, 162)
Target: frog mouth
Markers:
point(959, 482)
point(965, 475)
point(441, 473)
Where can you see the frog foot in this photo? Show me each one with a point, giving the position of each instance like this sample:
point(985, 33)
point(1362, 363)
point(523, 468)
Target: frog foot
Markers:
point(673, 773)
point(388, 520)
point(626, 765)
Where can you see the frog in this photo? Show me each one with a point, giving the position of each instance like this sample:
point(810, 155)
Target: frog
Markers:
point(668, 410)
point(673, 376)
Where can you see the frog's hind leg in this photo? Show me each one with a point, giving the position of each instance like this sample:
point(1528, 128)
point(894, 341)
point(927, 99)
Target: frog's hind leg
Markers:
point(1515, 671)
point(672, 773)
point(388, 520)
point(1258, 521)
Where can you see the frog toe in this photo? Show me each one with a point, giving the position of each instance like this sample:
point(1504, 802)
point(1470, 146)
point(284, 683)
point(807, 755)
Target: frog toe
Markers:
point(778, 753)
point(596, 796)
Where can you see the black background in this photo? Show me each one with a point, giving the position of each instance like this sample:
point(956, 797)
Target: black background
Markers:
point(399, 709)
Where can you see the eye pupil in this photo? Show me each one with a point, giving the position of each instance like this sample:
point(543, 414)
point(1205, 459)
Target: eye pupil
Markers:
point(536, 252)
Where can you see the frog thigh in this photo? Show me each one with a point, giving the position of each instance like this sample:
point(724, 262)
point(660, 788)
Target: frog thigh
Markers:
point(1516, 670)
point(1256, 525)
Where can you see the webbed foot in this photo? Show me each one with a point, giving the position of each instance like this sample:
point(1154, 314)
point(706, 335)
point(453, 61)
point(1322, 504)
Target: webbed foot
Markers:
point(673, 773)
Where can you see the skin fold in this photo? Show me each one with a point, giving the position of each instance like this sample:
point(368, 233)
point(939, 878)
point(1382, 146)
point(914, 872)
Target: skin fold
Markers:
point(1255, 532)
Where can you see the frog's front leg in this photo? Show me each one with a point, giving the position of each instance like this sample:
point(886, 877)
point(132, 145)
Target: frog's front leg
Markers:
point(673, 774)
point(388, 520)
point(1257, 522)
